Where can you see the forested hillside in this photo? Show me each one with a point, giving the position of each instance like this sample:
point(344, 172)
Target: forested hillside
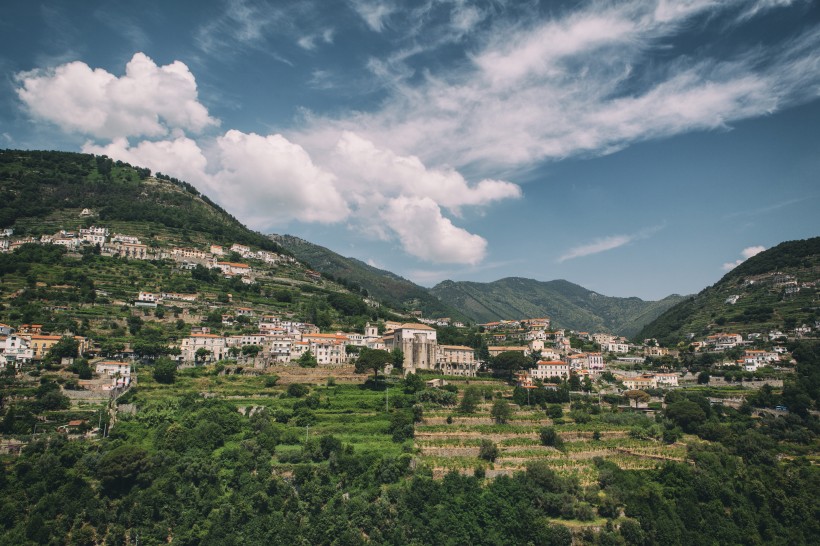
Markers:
point(383, 285)
point(774, 290)
point(569, 305)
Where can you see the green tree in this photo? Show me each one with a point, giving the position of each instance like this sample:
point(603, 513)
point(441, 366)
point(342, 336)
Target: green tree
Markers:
point(470, 399)
point(165, 371)
point(307, 360)
point(201, 355)
point(637, 396)
point(397, 357)
point(488, 450)
point(251, 350)
point(67, 347)
point(413, 383)
point(501, 411)
point(687, 414)
point(549, 437)
point(509, 362)
point(372, 359)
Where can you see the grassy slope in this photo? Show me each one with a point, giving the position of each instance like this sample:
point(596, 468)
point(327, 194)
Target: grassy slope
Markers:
point(708, 312)
point(568, 304)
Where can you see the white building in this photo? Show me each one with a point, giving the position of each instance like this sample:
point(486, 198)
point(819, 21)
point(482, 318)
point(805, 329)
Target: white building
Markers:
point(615, 347)
point(214, 344)
point(122, 238)
point(94, 235)
point(546, 369)
point(666, 379)
point(457, 360)
point(233, 268)
point(16, 351)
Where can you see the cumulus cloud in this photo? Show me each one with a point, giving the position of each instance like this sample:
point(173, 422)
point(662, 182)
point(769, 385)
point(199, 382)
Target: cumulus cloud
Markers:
point(269, 181)
point(746, 253)
point(425, 233)
point(149, 100)
point(382, 170)
point(264, 180)
point(180, 157)
point(269, 178)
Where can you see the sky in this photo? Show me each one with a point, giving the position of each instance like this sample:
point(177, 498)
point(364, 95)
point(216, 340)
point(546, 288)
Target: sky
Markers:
point(637, 148)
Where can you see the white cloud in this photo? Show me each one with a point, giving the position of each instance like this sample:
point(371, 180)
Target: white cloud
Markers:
point(611, 242)
point(263, 180)
point(746, 253)
point(598, 245)
point(374, 12)
point(149, 100)
point(425, 233)
point(576, 84)
point(308, 41)
point(181, 157)
point(382, 170)
point(269, 179)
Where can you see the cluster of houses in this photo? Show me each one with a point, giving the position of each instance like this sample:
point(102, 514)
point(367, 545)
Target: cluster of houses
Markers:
point(282, 341)
point(213, 258)
point(111, 244)
point(29, 344)
point(128, 246)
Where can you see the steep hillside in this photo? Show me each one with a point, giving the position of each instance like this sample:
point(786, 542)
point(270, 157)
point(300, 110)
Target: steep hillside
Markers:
point(383, 285)
point(41, 192)
point(50, 277)
point(775, 290)
point(568, 304)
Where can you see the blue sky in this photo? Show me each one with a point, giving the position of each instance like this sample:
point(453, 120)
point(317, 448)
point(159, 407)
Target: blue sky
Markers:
point(636, 148)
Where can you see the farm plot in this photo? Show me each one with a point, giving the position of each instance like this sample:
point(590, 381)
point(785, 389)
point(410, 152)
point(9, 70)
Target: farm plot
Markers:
point(452, 442)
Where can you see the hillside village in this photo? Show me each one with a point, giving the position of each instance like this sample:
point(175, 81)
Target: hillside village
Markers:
point(271, 340)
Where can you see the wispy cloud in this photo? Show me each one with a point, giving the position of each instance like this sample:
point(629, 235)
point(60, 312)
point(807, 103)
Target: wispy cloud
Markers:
point(578, 84)
point(603, 244)
point(598, 245)
point(771, 208)
point(373, 12)
point(746, 253)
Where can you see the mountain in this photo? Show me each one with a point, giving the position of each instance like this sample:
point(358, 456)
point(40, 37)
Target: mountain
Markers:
point(42, 192)
point(774, 290)
point(385, 286)
point(567, 304)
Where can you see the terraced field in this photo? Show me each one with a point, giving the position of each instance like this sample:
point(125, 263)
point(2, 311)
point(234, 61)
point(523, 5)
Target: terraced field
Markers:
point(455, 446)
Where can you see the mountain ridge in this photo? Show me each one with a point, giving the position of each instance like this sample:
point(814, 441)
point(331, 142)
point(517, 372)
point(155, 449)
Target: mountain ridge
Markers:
point(566, 303)
point(775, 289)
point(384, 285)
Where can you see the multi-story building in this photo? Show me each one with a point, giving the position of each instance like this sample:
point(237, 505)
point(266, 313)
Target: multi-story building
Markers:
point(15, 351)
point(457, 360)
point(417, 342)
point(214, 344)
point(94, 235)
point(546, 369)
point(496, 350)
